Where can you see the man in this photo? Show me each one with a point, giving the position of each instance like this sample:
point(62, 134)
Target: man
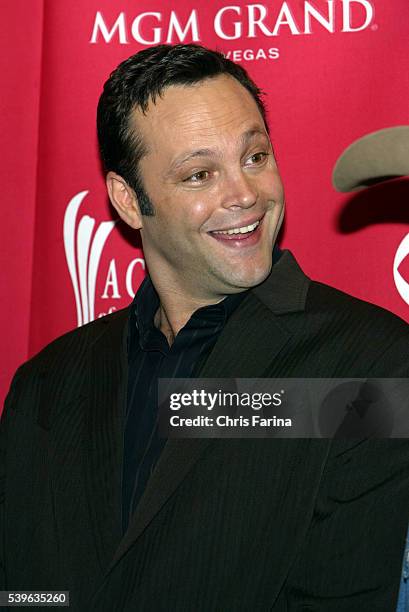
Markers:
point(94, 502)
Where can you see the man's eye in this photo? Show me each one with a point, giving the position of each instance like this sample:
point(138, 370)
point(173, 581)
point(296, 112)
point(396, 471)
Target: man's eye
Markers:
point(257, 158)
point(198, 177)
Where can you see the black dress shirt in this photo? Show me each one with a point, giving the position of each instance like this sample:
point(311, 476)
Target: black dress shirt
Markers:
point(150, 358)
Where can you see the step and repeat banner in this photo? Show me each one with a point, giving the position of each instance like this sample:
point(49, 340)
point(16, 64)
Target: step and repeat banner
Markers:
point(332, 71)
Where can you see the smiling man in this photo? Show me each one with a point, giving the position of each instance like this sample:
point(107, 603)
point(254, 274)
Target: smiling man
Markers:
point(214, 190)
point(93, 500)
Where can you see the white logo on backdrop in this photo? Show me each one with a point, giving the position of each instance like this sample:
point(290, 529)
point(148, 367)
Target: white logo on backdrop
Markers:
point(233, 22)
point(83, 252)
point(401, 284)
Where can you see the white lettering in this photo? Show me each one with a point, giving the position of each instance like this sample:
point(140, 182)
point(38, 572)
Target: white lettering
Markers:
point(225, 421)
point(257, 21)
point(129, 273)
point(111, 281)
point(285, 18)
point(261, 54)
point(191, 24)
point(347, 15)
point(277, 399)
point(259, 421)
point(212, 400)
point(136, 29)
point(100, 26)
point(327, 23)
point(249, 54)
point(198, 421)
point(218, 23)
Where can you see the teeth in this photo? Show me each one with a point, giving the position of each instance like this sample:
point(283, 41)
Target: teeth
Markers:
point(239, 230)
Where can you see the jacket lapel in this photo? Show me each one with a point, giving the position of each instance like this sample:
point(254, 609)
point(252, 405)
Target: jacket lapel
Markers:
point(251, 339)
point(107, 384)
point(254, 335)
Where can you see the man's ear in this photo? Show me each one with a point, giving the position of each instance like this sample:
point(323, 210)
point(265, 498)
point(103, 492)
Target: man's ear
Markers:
point(124, 200)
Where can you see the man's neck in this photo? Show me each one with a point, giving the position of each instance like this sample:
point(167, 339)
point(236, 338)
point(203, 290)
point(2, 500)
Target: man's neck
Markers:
point(171, 317)
point(177, 303)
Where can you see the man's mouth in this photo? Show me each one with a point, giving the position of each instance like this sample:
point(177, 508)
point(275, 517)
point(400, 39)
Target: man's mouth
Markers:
point(239, 230)
point(239, 236)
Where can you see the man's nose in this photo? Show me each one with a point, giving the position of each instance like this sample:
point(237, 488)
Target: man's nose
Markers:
point(239, 191)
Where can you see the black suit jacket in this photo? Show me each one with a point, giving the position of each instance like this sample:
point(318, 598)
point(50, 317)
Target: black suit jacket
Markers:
point(224, 524)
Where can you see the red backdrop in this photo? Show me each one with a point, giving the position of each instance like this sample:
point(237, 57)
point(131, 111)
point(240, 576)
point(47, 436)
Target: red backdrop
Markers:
point(332, 70)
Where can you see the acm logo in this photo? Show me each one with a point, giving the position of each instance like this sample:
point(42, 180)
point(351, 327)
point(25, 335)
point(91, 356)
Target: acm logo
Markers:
point(83, 250)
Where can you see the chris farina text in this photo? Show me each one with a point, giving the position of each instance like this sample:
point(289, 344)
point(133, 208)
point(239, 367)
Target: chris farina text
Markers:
point(223, 420)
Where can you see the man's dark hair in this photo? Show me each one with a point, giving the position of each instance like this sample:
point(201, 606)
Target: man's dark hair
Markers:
point(142, 78)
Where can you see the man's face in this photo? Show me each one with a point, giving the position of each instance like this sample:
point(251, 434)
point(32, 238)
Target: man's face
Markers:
point(210, 173)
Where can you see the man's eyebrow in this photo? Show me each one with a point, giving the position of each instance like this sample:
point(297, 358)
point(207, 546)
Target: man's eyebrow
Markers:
point(179, 161)
point(252, 133)
point(245, 140)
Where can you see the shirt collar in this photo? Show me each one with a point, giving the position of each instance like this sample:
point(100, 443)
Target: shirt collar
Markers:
point(146, 303)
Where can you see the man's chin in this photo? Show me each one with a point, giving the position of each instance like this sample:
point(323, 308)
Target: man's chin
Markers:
point(251, 278)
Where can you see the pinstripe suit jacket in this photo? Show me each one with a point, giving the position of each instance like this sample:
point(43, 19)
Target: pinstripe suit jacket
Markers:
point(223, 525)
